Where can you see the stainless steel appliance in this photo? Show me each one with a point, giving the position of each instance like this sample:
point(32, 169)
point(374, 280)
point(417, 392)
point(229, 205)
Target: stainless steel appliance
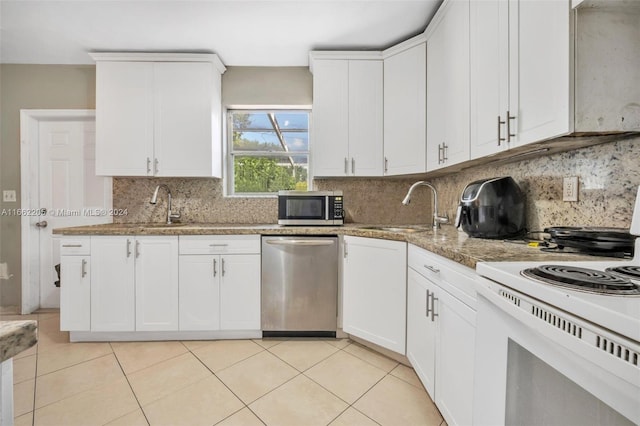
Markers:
point(299, 286)
point(310, 208)
point(559, 343)
point(491, 208)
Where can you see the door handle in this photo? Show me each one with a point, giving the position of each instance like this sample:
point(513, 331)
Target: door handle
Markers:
point(500, 138)
point(137, 249)
point(222, 268)
point(300, 242)
point(215, 267)
point(84, 268)
point(128, 247)
point(509, 134)
point(41, 224)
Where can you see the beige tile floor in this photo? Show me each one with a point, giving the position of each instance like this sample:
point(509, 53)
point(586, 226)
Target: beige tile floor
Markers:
point(227, 382)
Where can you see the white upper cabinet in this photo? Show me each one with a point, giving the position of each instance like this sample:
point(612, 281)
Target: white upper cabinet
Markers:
point(158, 115)
point(520, 73)
point(448, 87)
point(347, 115)
point(405, 79)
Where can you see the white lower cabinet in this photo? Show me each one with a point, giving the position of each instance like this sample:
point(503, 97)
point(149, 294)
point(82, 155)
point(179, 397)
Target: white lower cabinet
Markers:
point(75, 293)
point(156, 276)
point(134, 283)
point(441, 331)
point(374, 291)
point(220, 282)
point(112, 283)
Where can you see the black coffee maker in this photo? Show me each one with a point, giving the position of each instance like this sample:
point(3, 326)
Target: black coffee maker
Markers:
point(492, 208)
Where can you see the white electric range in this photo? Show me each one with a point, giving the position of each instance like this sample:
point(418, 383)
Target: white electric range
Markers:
point(559, 353)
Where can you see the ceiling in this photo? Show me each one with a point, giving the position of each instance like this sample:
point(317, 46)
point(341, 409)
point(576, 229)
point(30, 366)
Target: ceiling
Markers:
point(241, 32)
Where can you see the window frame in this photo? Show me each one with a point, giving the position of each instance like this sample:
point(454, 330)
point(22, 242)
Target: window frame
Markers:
point(229, 153)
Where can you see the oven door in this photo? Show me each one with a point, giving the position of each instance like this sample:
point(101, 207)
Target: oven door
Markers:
point(536, 365)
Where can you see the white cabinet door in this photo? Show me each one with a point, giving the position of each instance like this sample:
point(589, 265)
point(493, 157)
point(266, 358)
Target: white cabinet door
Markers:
point(540, 84)
point(199, 300)
point(375, 286)
point(112, 283)
point(365, 118)
point(240, 292)
point(454, 358)
point(421, 331)
point(521, 88)
point(405, 113)
point(489, 56)
point(75, 293)
point(124, 118)
point(156, 281)
point(183, 98)
point(448, 88)
point(330, 121)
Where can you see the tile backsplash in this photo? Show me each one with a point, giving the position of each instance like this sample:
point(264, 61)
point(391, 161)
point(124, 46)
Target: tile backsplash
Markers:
point(609, 175)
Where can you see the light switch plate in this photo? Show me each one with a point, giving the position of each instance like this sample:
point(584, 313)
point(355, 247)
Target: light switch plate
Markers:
point(9, 196)
point(570, 189)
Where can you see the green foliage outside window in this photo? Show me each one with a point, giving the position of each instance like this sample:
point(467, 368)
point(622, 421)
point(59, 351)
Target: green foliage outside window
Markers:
point(265, 174)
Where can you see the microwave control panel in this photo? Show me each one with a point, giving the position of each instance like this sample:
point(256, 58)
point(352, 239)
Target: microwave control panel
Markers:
point(338, 212)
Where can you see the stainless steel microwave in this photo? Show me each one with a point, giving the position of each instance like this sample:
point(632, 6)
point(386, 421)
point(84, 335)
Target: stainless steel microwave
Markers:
point(310, 208)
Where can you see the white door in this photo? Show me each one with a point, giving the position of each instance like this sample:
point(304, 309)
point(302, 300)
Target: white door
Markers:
point(199, 292)
point(70, 193)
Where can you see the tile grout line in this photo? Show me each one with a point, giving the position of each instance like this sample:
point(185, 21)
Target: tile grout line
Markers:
point(226, 386)
point(130, 387)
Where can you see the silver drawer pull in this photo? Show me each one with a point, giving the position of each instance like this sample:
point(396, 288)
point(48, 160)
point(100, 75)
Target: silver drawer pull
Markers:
point(72, 245)
point(299, 242)
point(432, 269)
point(84, 268)
point(218, 245)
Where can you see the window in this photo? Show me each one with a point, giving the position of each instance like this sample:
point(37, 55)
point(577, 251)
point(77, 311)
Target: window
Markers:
point(268, 151)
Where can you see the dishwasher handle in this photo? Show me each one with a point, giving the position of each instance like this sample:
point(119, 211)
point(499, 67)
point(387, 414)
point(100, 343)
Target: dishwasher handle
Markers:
point(301, 242)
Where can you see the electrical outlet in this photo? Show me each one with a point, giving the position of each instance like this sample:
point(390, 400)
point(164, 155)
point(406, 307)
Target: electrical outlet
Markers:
point(9, 196)
point(570, 189)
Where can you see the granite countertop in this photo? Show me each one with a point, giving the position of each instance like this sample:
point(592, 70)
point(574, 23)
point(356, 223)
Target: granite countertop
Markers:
point(448, 241)
point(16, 336)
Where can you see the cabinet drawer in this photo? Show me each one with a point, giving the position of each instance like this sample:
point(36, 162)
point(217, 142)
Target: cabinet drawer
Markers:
point(220, 244)
point(450, 276)
point(75, 246)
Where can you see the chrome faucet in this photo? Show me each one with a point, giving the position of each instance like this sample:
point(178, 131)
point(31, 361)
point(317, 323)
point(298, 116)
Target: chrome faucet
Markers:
point(154, 200)
point(437, 220)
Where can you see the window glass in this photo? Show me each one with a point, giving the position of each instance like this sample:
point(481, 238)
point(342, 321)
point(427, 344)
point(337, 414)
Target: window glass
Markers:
point(268, 151)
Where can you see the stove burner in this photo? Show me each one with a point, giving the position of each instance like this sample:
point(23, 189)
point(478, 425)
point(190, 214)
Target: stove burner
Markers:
point(631, 272)
point(583, 279)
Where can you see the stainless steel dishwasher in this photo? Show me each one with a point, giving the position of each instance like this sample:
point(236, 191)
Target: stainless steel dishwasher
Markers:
point(299, 286)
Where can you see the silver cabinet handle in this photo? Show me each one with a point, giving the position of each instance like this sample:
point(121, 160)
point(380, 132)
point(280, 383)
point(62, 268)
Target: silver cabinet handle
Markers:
point(148, 165)
point(353, 165)
point(223, 271)
point(84, 268)
point(444, 152)
point(128, 248)
point(500, 138)
point(509, 134)
point(346, 251)
point(432, 269)
point(218, 245)
point(431, 310)
point(41, 224)
point(386, 164)
point(155, 166)
point(346, 166)
point(137, 249)
point(72, 245)
point(215, 267)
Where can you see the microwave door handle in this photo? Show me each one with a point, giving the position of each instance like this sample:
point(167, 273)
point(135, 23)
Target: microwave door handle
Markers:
point(326, 207)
